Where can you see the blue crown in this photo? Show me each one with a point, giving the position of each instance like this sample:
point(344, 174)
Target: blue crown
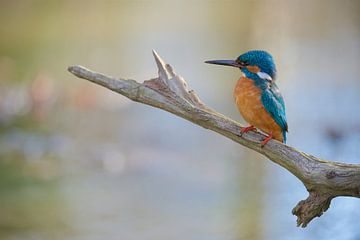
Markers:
point(261, 59)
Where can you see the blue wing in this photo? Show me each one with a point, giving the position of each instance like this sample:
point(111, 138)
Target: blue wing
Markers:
point(274, 104)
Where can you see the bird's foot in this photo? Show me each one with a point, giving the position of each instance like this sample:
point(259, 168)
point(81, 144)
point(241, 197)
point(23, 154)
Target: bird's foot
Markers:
point(247, 129)
point(266, 140)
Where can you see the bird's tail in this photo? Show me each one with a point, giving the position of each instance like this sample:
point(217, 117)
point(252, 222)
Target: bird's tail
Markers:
point(284, 136)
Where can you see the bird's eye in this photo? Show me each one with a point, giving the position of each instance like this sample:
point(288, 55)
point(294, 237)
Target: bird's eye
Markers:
point(242, 63)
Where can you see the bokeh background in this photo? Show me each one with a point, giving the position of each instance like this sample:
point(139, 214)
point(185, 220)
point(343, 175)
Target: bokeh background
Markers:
point(80, 162)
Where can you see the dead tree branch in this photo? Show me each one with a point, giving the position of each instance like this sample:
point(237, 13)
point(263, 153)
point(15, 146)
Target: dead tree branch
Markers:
point(324, 180)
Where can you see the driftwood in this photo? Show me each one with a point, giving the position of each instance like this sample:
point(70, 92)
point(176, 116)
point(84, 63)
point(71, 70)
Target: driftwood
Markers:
point(324, 180)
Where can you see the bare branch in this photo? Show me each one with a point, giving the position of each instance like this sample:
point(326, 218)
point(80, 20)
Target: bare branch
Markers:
point(324, 180)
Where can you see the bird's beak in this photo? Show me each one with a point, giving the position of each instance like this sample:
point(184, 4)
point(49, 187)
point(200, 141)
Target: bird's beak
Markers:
point(231, 63)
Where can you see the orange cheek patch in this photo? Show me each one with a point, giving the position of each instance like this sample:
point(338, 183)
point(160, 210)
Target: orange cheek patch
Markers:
point(253, 69)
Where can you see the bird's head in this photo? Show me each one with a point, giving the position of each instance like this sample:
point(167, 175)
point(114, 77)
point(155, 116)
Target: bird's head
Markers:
point(255, 61)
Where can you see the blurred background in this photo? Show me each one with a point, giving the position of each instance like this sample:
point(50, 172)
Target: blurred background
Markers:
point(80, 162)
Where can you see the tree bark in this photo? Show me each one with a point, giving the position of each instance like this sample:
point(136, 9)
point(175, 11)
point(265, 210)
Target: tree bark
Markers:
point(323, 179)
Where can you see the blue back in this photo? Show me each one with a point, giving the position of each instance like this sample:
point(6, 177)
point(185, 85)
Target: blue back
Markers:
point(274, 104)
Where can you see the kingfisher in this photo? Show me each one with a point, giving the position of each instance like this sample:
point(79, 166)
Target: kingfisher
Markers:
point(257, 96)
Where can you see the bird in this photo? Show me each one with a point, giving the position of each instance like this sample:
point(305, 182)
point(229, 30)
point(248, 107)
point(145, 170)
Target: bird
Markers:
point(257, 96)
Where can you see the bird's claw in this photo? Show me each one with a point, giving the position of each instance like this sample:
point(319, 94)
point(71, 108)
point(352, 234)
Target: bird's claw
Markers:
point(266, 140)
point(247, 129)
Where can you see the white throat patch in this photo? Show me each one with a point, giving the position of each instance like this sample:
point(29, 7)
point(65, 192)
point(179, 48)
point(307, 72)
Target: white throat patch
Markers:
point(264, 76)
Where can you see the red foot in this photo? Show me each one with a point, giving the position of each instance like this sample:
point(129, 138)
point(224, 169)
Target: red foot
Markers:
point(265, 141)
point(247, 129)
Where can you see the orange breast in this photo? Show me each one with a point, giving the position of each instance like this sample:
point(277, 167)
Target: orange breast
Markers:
point(248, 99)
